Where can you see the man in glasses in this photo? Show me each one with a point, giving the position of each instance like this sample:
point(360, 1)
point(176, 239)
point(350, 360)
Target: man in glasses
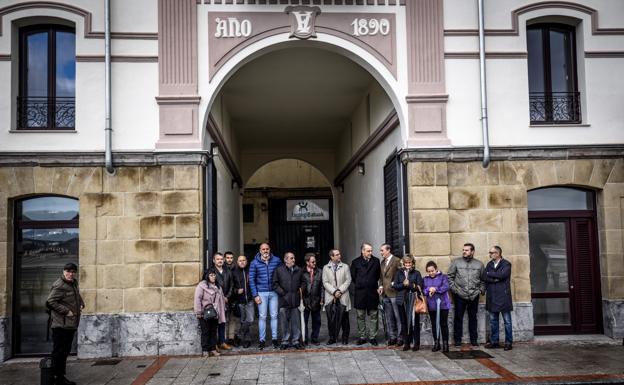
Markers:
point(497, 276)
point(465, 282)
point(312, 297)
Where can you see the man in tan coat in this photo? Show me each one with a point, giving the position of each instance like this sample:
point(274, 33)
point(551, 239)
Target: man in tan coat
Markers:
point(389, 266)
point(336, 281)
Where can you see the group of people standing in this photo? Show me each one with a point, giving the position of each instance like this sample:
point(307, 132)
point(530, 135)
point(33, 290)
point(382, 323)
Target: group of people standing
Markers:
point(281, 290)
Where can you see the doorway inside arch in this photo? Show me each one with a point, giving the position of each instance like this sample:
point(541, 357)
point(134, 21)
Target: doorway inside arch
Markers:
point(303, 133)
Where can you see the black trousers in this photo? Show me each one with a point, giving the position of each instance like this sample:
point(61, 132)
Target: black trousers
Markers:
point(208, 334)
point(337, 318)
point(444, 330)
point(61, 346)
point(461, 305)
point(316, 323)
point(411, 336)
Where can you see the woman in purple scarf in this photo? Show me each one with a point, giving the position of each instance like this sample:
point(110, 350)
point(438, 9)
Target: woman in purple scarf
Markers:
point(438, 303)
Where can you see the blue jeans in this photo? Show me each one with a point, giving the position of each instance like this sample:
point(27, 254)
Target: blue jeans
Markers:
point(270, 302)
point(494, 327)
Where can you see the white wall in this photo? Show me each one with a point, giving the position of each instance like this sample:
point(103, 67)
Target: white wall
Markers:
point(361, 205)
point(600, 80)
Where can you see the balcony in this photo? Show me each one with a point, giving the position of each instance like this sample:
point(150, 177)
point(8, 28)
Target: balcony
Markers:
point(42, 113)
point(555, 107)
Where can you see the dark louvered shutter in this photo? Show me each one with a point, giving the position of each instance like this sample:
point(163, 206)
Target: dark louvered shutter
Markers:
point(393, 194)
point(586, 281)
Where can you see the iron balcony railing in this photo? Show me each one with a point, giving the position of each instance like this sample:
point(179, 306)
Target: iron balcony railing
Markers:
point(555, 107)
point(43, 113)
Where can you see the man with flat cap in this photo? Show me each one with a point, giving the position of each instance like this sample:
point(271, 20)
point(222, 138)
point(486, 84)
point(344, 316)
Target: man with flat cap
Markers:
point(65, 304)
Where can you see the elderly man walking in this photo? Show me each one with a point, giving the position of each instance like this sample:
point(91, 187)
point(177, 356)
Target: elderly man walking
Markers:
point(365, 273)
point(497, 276)
point(65, 304)
point(336, 281)
point(465, 282)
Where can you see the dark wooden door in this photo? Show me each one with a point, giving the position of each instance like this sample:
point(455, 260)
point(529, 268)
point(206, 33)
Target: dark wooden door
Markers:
point(565, 278)
point(300, 237)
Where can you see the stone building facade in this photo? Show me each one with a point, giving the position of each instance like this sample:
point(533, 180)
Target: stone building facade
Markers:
point(227, 114)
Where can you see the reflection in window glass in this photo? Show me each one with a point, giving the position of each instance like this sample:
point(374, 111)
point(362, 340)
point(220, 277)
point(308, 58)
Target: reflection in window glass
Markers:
point(65, 64)
point(551, 311)
point(37, 65)
point(560, 198)
point(40, 255)
point(549, 260)
point(49, 209)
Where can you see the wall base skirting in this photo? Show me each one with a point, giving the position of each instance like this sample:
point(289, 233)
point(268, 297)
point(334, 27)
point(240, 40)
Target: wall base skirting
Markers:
point(5, 339)
point(613, 318)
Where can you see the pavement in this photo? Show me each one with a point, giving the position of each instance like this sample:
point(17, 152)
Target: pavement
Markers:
point(560, 360)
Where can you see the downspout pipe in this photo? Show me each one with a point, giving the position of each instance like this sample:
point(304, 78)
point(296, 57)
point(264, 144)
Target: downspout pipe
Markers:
point(108, 152)
point(484, 114)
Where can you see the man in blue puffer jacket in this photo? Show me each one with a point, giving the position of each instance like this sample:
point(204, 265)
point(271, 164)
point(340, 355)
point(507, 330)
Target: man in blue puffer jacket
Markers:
point(261, 285)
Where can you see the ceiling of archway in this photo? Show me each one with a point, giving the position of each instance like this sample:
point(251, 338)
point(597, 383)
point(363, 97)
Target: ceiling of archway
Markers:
point(294, 98)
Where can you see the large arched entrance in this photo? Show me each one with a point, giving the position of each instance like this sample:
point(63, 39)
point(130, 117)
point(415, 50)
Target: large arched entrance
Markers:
point(313, 105)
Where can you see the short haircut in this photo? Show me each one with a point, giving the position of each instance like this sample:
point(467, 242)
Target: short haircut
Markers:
point(264, 243)
point(408, 258)
point(431, 263)
point(470, 245)
point(241, 256)
point(228, 253)
point(307, 256)
point(216, 255)
point(499, 249)
point(386, 246)
point(331, 252)
point(286, 254)
point(364, 245)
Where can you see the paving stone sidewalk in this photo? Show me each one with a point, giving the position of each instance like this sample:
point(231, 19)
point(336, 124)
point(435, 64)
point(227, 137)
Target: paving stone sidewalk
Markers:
point(536, 362)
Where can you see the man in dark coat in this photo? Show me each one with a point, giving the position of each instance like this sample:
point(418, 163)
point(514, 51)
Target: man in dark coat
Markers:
point(65, 305)
point(287, 283)
point(497, 276)
point(365, 274)
point(224, 277)
point(312, 297)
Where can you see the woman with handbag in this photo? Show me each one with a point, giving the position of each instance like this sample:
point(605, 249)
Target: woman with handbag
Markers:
point(436, 291)
point(408, 284)
point(209, 307)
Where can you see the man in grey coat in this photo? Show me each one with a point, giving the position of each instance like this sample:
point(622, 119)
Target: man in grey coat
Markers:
point(466, 284)
point(65, 305)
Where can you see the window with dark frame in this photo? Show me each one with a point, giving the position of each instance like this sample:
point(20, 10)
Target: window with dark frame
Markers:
point(248, 213)
point(553, 89)
point(47, 78)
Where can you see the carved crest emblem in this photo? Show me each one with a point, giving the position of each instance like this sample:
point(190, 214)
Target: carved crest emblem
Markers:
point(302, 21)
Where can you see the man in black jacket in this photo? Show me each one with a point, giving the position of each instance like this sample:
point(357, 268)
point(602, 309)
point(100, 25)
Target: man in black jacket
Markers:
point(287, 283)
point(365, 273)
point(224, 277)
point(243, 300)
point(312, 297)
point(65, 304)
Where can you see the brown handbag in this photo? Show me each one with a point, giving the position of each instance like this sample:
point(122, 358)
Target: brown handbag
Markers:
point(420, 303)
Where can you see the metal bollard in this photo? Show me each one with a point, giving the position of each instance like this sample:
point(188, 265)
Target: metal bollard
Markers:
point(47, 376)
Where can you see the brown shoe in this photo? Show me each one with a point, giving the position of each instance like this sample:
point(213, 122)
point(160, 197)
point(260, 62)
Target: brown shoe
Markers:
point(225, 346)
point(214, 353)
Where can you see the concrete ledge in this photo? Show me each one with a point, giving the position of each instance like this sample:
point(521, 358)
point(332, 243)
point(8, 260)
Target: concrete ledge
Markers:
point(96, 158)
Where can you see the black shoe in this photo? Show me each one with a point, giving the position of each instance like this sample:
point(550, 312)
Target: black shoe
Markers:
point(65, 381)
point(246, 344)
point(360, 341)
point(415, 348)
point(436, 346)
point(237, 341)
point(345, 341)
point(299, 347)
point(275, 344)
point(283, 347)
point(508, 347)
point(406, 347)
point(373, 342)
point(445, 347)
point(458, 344)
point(392, 342)
point(261, 345)
point(399, 343)
point(474, 343)
point(315, 341)
point(490, 345)
point(331, 342)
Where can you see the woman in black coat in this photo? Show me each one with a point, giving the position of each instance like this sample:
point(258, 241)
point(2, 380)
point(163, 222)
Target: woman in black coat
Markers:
point(407, 282)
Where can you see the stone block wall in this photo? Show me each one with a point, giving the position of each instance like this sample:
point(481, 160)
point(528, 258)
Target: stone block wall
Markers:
point(451, 203)
point(140, 238)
